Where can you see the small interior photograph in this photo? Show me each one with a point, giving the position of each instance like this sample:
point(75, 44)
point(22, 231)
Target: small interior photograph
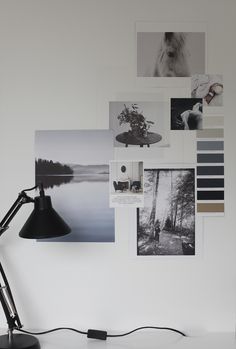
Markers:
point(126, 177)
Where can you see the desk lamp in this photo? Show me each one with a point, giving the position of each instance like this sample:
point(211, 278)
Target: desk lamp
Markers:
point(43, 223)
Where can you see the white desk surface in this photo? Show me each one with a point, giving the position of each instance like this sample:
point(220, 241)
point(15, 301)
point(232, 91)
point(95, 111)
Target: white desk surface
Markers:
point(141, 340)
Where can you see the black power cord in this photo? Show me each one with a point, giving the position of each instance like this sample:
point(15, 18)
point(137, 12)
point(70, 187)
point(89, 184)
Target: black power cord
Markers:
point(146, 328)
point(102, 335)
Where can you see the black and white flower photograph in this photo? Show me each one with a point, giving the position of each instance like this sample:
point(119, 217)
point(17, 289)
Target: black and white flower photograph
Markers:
point(186, 114)
point(170, 54)
point(139, 124)
point(166, 224)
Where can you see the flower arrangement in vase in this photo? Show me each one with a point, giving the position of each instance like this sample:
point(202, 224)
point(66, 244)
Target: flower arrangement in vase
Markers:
point(139, 125)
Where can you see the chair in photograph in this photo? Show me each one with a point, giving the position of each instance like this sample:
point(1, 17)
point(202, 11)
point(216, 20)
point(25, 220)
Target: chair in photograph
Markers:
point(136, 186)
point(121, 186)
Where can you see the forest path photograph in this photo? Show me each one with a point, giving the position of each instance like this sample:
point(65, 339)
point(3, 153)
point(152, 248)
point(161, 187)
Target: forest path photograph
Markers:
point(166, 224)
point(169, 243)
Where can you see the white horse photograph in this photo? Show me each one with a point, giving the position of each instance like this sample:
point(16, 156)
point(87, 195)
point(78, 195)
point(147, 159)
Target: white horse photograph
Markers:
point(170, 54)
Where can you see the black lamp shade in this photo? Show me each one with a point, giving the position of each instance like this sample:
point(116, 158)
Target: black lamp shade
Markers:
point(44, 222)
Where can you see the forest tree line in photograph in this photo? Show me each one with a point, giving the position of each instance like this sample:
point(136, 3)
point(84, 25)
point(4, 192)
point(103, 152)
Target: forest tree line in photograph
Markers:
point(48, 167)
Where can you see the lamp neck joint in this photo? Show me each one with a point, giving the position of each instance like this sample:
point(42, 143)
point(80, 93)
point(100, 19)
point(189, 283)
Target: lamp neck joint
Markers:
point(24, 198)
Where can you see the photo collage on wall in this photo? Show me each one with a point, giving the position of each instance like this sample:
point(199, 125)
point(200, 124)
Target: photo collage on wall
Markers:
point(99, 166)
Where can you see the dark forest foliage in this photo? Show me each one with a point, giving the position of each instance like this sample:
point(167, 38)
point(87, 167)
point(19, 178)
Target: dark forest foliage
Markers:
point(48, 167)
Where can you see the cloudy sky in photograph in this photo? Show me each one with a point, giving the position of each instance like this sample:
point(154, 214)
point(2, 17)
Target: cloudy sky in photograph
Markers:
point(86, 147)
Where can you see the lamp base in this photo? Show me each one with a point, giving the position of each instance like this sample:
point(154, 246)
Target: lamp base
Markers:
point(19, 341)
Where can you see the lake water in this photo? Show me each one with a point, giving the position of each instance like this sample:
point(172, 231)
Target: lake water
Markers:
point(84, 205)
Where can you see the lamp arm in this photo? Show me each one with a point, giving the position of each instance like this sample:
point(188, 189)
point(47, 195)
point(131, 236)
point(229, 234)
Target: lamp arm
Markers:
point(22, 199)
point(6, 297)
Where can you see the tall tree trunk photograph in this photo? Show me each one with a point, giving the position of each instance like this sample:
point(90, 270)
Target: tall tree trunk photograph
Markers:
point(154, 204)
point(166, 223)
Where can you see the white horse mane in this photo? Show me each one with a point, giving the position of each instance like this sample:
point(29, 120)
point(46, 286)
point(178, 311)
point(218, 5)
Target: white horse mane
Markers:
point(172, 58)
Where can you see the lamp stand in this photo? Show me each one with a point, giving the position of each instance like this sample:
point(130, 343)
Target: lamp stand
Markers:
point(12, 340)
point(18, 341)
point(41, 224)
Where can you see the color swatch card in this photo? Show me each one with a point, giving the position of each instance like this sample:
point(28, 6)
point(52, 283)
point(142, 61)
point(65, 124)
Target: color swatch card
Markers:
point(210, 167)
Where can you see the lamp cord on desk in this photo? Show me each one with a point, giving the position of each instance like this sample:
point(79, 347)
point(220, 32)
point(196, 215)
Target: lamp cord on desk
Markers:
point(146, 328)
point(102, 335)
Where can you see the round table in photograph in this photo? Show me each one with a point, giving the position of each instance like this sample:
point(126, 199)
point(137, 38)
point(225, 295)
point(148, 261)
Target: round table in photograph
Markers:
point(129, 139)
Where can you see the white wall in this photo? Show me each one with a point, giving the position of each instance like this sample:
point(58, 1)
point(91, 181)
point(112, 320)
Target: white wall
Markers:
point(60, 64)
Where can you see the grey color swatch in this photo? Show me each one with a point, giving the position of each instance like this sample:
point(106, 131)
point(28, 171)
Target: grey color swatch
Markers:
point(210, 182)
point(210, 145)
point(210, 170)
point(210, 195)
point(211, 133)
point(210, 158)
point(213, 121)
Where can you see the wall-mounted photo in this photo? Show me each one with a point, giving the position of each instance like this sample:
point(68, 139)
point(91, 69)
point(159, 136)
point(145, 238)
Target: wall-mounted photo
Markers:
point(74, 168)
point(186, 114)
point(126, 184)
point(139, 124)
point(170, 54)
point(209, 87)
point(166, 224)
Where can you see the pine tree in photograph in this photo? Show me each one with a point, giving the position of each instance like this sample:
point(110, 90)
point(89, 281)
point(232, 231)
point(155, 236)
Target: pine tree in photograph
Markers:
point(166, 225)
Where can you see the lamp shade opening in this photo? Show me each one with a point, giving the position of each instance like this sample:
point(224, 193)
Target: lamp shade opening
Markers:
point(44, 222)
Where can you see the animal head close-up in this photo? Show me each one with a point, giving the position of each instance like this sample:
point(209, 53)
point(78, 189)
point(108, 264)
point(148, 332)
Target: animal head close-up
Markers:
point(172, 59)
point(174, 43)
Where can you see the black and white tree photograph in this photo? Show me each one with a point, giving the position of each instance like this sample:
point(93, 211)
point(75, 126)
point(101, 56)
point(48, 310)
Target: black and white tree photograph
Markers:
point(166, 224)
point(186, 114)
